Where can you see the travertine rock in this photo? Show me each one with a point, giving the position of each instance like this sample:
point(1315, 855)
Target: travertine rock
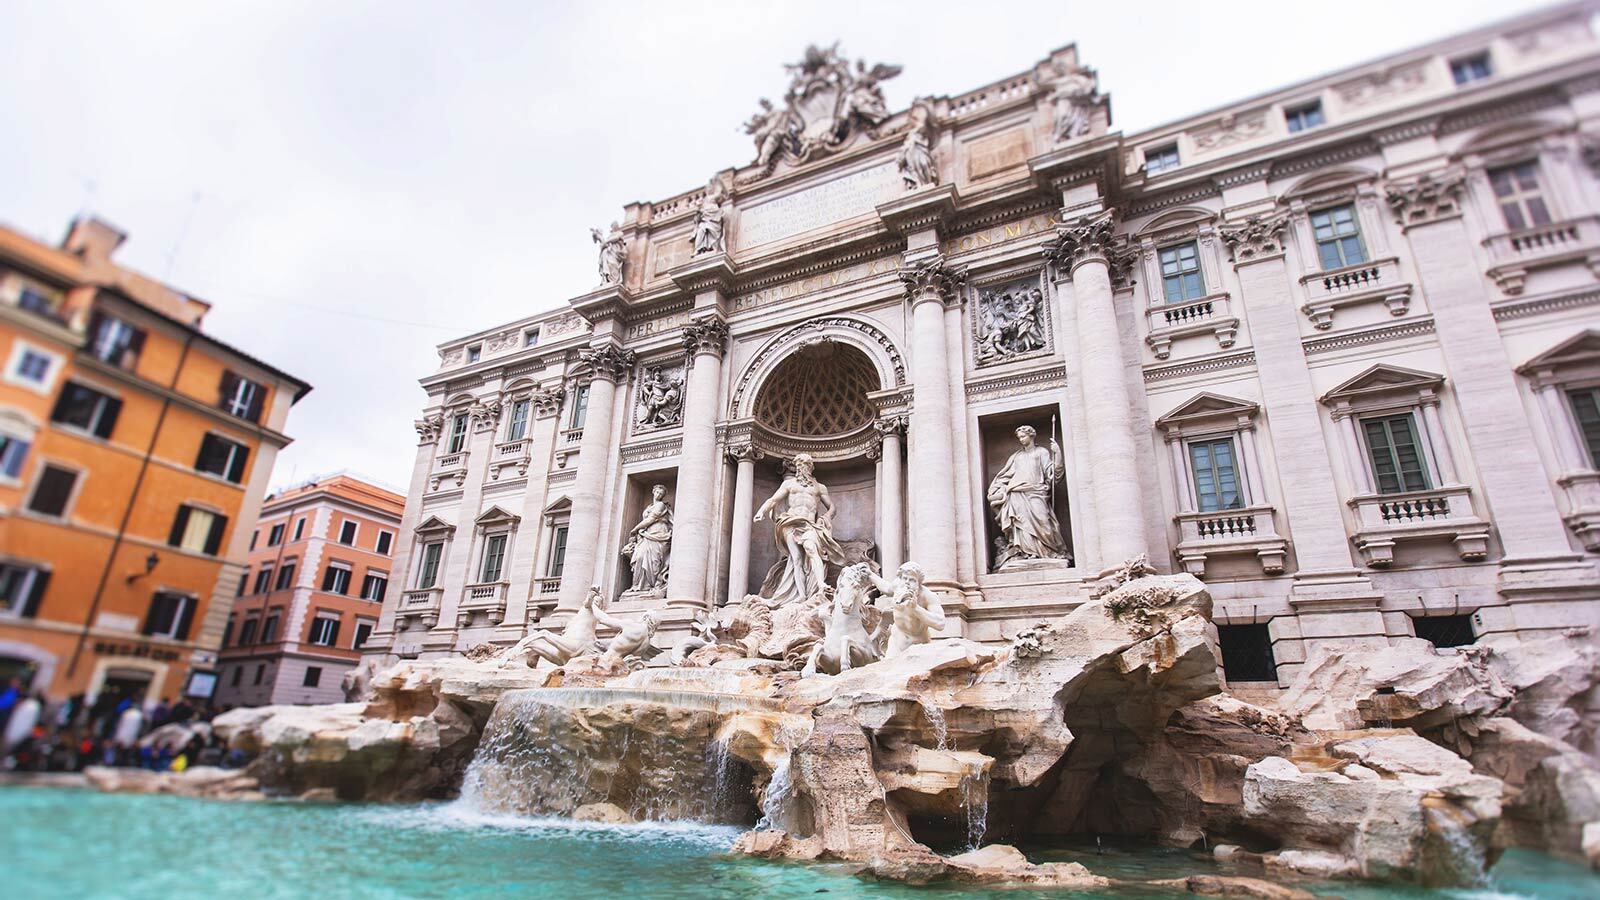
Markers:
point(1407, 684)
point(604, 813)
point(198, 781)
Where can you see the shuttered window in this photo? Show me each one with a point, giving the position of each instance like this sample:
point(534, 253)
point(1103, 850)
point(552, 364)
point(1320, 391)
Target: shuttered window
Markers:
point(1586, 409)
point(220, 456)
point(114, 341)
point(494, 557)
point(21, 589)
point(170, 615)
point(199, 530)
point(428, 573)
point(240, 396)
point(1216, 475)
point(52, 491)
point(1396, 455)
point(86, 409)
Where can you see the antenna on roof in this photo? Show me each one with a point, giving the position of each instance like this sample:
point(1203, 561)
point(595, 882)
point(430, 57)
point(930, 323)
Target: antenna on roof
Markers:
point(172, 255)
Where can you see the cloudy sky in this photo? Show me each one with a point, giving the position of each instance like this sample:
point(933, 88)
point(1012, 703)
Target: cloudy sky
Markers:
point(350, 183)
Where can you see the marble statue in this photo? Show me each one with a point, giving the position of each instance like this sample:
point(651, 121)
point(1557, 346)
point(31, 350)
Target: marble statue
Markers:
point(863, 101)
point(660, 398)
point(1073, 95)
point(649, 545)
point(702, 633)
point(826, 105)
point(774, 130)
point(632, 642)
point(803, 531)
point(913, 613)
point(915, 161)
point(708, 219)
point(1021, 496)
point(576, 639)
point(846, 643)
point(612, 253)
point(1011, 323)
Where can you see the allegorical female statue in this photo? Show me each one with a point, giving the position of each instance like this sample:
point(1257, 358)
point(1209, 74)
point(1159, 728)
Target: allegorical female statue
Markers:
point(650, 544)
point(1021, 497)
point(613, 253)
point(708, 219)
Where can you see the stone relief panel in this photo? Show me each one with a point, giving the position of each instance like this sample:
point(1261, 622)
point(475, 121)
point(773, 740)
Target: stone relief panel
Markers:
point(1010, 321)
point(659, 402)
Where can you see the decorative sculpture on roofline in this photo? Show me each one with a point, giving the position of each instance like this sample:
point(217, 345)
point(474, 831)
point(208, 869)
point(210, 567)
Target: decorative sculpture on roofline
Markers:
point(1074, 93)
point(613, 253)
point(826, 105)
point(915, 161)
point(709, 220)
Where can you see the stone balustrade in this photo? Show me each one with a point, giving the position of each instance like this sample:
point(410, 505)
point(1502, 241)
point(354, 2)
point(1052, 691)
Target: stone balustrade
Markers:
point(1444, 513)
point(1375, 281)
point(1250, 530)
point(510, 448)
point(422, 605)
point(484, 602)
point(1514, 253)
point(1212, 313)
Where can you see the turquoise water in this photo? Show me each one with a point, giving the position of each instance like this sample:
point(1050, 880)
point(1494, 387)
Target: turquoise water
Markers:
point(78, 844)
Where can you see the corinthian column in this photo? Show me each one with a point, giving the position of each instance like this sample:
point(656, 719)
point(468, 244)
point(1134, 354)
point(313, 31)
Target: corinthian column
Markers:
point(609, 364)
point(929, 282)
point(1082, 251)
point(744, 457)
point(891, 475)
point(704, 341)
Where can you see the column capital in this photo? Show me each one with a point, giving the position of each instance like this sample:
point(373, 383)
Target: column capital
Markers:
point(1256, 238)
point(744, 452)
point(1081, 240)
point(1431, 197)
point(932, 278)
point(706, 334)
point(547, 401)
point(429, 428)
point(891, 424)
point(485, 414)
point(609, 361)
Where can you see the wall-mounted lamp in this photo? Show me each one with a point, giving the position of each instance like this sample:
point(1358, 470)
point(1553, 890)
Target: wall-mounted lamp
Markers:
point(150, 563)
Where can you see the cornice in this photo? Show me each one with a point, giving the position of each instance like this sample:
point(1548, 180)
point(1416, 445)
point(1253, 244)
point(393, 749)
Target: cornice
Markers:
point(1052, 375)
point(1533, 306)
point(1379, 334)
point(1221, 362)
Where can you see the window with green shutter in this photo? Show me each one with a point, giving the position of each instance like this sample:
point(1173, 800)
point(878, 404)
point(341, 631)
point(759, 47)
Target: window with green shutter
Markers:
point(1216, 475)
point(494, 556)
point(1586, 409)
point(429, 571)
point(1396, 454)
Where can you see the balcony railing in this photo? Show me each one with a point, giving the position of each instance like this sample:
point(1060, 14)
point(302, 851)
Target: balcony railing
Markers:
point(421, 605)
point(1445, 513)
point(482, 603)
point(510, 448)
point(1513, 254)
point(449, 461)
point(1230, 532)
point(1370, 282)
point(1170, 321)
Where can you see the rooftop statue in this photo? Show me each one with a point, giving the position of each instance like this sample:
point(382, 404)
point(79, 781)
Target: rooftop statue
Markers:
point(827, 103)
point(803, 531)
point(916, 151)
point(708, 219)
point(1022, 497)
point(1074, 93)
point(613, 254)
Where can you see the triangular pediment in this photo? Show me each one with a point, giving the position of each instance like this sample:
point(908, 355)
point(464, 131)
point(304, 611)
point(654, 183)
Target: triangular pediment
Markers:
point(563, 505)
point(1383, 379)
point(1206, 405)
point(433, 525)
point(1582, 348)
point(495, 515)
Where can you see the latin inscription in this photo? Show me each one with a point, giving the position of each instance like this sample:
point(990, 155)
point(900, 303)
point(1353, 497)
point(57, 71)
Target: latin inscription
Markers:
point(833, 201)
point(1000, 234)
point(813, 283)
point(997, 153)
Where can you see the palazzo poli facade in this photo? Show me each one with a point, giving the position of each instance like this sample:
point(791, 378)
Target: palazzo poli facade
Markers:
point(1334, 349)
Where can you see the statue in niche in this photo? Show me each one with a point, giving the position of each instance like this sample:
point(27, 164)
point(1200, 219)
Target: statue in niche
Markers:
point(804, 534)
point(913, 614)
point(916, 151)
point(708, 219)
point(649, 544)
point(1021, 496)
point(1073, 95)
point(660, 398)
point(576, 639)
point(1010, 323)
point(612, 253)
point(846, 641)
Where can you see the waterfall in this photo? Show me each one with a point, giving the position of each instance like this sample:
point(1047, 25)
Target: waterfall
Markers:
point(935, 716)
point(1461, 855)
point(775, 797)
point(975, 801)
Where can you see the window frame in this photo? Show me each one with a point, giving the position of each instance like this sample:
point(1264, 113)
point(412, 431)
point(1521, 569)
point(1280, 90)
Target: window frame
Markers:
point(1160, 156)
point(46, 382)
point(367, 578)
point(245, 400)
point(383, 545)
point(496, 549)
point(428, 570)
point(1424, 464)
point(181, 620)
point(355, 532)
point(517, 419)
point(1337, 240)
point(1197, 272)
point(284, 579)
point(1301, 112)
point(183, 521)
point(29, 591)
point(556, 562)
point(457, 441)
point(1520, 198)
point(357, 639)
point(1241, 484)
point(13, 458)
point(578, 415)
point(1586, 442)
point(102, 423)
point(68, 503)
point(236, 461)
point(1475, 67)
point(331, 581)
point(117, 354)
point(321, 616)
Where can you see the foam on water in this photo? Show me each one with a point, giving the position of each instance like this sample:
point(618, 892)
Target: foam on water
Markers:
point(461, 815)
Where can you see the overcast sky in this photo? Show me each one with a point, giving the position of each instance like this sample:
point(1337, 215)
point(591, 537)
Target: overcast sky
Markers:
point(350, 183)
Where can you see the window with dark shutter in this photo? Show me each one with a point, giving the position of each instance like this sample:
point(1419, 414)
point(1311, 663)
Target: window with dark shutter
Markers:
point(52, 491)
point(214, 538)
point(170, 615)
point(1396, 454)
point(220, 456)
point(21, 589)
point(385, 540)
point(86, 409)
point(313, 676)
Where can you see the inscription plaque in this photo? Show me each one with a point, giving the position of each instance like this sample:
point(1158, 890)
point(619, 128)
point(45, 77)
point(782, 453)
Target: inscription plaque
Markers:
point(833, 201)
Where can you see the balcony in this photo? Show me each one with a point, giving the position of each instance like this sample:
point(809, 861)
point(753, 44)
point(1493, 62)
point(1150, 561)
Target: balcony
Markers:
point(1377, 281)
point(1582, 491)
point(482, 604)
point(509, 455)
point(1210, 314)
point(1513, 254)
point(419, 606)
point(1383, 520)
point(567, 446)
point(1230, 532)
point(449, 471)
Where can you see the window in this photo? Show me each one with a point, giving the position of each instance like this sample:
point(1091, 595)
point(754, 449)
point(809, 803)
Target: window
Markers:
point(169, 616)
point(494, 557)
point(269, 629)
point(517, 428)
point(1445, 631)
point(32, 367)
point(385, 542)
point(37, 301)
point(286, 576)
point(264, 579)
point(220, 456)
point(1396, 454)
point(347, 533)
point(1180, 273)
point(530, 337)
point(198, 529)
point(13, 453)
point(1216, 475)
point(558, 552)
point(1338, 237)
point(373, 587)
point(1517, 191)
point(1303, 117)
point(1586, 409)
point(580, 407)
point(325, 630)
point(474, 353)
point(21, 589)
point(1247, 653)
point(1161, 159)
point(227, 632)
point(1472, 68)
point(458, 433)
point(428, 571)
point(275, 536)
point(241, 396)
point(114, 341)
point(238, 674)
point(336, 579)
point(86, 409)
point(244, 583)
point(313, 676)
point(253, 536)
point(261, 672)
point(247, 632)
point(363, 631)
point(299, 527)
point(52, 491)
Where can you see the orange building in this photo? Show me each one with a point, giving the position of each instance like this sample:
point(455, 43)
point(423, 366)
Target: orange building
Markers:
point(320, 561)
point(134, 453)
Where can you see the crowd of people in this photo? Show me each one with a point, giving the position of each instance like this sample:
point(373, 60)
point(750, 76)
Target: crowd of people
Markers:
point(110, 730)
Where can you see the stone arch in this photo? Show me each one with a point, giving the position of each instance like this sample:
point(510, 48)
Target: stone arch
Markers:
point(1324, 181)
point(1516, 138)
point(1175, 218)
point(848, 330)
point(44, 661)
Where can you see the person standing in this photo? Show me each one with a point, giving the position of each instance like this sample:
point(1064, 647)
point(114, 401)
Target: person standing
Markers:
point(24, 716)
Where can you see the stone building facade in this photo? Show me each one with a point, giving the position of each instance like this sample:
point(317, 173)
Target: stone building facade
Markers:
point(1333, 348)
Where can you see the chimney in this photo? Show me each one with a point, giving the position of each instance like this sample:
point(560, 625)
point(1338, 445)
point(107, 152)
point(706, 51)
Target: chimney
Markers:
point(93, 240)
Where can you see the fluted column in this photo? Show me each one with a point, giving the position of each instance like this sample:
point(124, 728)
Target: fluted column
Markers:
point(609, 364)
point(891, 472)
point(1082, 250)
point(744, 457)
point(704, 340)
point(929, 283)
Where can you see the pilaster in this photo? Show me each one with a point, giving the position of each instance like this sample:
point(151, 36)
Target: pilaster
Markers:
point(608, 364)
point(525, 554)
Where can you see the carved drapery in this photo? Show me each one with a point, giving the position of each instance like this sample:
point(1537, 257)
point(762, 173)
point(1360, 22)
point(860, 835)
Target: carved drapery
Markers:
point(608, 361)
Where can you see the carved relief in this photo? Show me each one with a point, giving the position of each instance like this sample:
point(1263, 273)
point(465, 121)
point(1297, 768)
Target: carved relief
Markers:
point(660, 403)
point(826, 105)
point(1427, 199)
point(1383, 84)
point(505, 340)
point(1230, 130)
point(1255, 237)
point(1010, 321)
point(564, 324)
